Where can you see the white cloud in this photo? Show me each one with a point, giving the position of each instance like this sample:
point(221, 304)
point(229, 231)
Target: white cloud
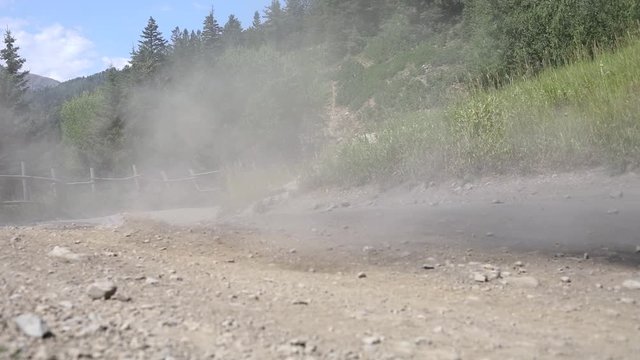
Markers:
point(116, 62)
point(56, 51)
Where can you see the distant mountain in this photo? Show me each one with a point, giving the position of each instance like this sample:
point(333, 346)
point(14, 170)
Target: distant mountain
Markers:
point(37, 82)
point(47, 100)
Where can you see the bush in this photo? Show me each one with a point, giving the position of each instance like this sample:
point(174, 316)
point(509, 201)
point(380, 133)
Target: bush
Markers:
point(524, 36)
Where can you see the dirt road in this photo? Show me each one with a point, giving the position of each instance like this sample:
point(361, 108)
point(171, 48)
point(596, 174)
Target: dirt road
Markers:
point(411, 273)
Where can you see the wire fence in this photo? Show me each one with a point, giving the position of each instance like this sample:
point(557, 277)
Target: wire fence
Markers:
point(27, 182)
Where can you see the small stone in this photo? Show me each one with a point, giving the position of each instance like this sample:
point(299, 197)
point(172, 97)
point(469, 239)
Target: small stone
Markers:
point(122, 298)
point(631, 284)
point(372, 340)
point(565, 279)
point(628, 301)
point(586, 256)
point(518, 264)
point(616, 194)
point(301, 302)
point(478, 277)
point(32, 325)
point(151, 281)
point(64, 254)
point(101, 290)
point(490, 234)
point(422, 341)
point(613, 212)
point(298, 342)
point(497, 201)
point(362, 275)
point(428, 266)
point(345, 204)
point(637, 249)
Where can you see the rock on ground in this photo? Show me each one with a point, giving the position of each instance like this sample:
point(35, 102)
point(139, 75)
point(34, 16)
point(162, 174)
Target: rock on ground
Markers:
point(101, 290)
point(32, 325)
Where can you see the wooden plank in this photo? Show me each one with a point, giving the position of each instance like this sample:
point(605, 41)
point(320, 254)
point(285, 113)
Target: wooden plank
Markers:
point(25, 190)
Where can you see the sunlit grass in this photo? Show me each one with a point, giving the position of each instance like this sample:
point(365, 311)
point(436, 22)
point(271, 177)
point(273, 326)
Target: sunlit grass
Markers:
point(583, 114)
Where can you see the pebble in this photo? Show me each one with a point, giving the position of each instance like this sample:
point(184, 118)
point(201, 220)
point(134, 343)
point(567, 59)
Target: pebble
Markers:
point(478, 277)
point(32, 325)
point(616, 194)
point(151, 281)
point(613, 212)
point(64, 254)
point(631, 284)
point(101, 290)
point(628, 301)
point(362, 275)
point(372, 340)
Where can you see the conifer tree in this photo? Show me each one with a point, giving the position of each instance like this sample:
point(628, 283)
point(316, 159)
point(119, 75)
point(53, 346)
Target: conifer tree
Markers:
point(152, 50)
point(232, 32)
point(274, 22)
point(211, 33)
point(13, 81)
point(257, 20)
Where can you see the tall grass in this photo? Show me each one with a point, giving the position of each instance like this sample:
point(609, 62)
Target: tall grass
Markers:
point(583, 114)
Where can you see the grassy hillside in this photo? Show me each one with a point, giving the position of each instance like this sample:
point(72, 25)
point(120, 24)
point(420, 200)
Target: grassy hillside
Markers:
point(583, 114)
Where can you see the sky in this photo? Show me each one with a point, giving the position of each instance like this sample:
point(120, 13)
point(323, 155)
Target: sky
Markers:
point(67, 39)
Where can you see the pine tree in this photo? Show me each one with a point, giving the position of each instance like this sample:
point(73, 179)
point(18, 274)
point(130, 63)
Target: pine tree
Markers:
point(232, 32)
point(257, 21)
point(152, 50)
point(13, 81)
point(274, 22)
point(211, 33)
point(254, 36)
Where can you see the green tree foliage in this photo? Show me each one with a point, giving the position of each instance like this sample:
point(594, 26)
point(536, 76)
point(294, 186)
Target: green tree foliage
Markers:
point(14, 117)
point(13, 81)
point(525, 35)
point(232, 95)
point(152, 51)
point(254, 36)
point(257, 20)
point(232, 32)
point(274, 23)
point(211, 34)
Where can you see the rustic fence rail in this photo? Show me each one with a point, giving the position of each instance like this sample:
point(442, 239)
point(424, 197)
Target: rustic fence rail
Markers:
point(135, 179)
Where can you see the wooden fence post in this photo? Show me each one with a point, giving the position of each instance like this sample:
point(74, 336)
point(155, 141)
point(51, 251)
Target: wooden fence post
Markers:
point(195, 180)
point(136, 181)
point(54, 189)
point(25, 190)
point(165, 179)
point(93, 181)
